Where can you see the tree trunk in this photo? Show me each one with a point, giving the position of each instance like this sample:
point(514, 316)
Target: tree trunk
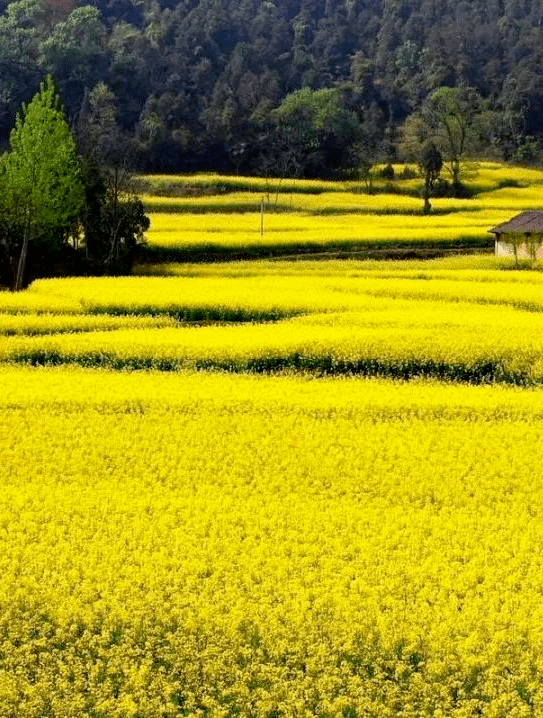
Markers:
point(22, 259)
point(427, 206)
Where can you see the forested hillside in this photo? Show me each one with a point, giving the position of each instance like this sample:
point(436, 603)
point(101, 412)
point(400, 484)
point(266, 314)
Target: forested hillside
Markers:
point(206, 83)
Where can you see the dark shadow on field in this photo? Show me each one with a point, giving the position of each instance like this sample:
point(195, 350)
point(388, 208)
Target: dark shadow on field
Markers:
point(199, 315)
point(287, 208)
point(339, 250)
point(485, 371)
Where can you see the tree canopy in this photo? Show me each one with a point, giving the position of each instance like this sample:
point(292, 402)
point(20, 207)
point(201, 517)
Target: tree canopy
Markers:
point(40, 179)
point(56, 205)
point(195, 83)
point(315, 130)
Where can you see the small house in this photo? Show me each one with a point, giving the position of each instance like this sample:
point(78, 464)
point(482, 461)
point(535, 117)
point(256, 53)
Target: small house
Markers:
point(521, 237)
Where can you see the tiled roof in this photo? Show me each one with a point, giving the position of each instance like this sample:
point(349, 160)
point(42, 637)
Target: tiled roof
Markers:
point(523, 223)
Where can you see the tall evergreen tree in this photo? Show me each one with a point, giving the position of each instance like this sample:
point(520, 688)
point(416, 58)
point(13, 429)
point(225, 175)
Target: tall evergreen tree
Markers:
point(40, 180)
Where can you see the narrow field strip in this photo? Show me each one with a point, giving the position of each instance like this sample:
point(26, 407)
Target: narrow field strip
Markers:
point(349, 345)
point(40, 324)
point(456, 266)
point(283, 288)
point(336, 202)
point(70, 387)
point(486, 176)
point(183, 237)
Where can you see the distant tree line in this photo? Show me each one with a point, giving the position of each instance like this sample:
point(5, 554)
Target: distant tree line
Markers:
point(305, 87)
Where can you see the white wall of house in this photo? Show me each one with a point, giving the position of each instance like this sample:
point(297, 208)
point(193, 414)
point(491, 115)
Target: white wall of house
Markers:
point(507, 249)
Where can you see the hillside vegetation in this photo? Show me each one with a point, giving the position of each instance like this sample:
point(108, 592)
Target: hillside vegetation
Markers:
point(200, 84)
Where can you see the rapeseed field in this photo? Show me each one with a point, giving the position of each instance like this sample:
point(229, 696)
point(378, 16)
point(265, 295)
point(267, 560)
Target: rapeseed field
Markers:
point(210, 216)
point(479, 322)
point(268, 489)
point(202, 544)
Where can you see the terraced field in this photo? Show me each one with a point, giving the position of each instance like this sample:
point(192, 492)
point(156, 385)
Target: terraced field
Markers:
point(469, 320)
point(268, 488)
point(212, 217)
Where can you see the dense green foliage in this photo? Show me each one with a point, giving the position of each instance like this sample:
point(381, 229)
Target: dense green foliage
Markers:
point(61, 212)
point(196, 83)
point(42, 191)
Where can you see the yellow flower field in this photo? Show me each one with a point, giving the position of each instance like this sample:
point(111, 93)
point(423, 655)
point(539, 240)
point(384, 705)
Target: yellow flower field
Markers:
point(487, 176)
point(272, 489)
point(29, 324)
point(317, 216)
point(216, 545)
point(242, 231)
point(465, 319)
